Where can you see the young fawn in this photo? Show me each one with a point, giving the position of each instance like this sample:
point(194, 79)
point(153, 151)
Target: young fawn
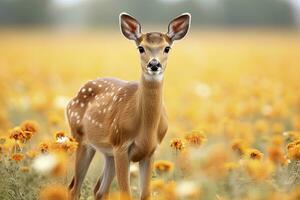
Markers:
point(124, 120)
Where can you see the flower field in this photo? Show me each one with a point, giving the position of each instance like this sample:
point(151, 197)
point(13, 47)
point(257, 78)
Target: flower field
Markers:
point(232, 100)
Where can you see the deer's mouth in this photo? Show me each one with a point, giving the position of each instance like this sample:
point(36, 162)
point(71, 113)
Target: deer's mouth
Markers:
point(156, 72)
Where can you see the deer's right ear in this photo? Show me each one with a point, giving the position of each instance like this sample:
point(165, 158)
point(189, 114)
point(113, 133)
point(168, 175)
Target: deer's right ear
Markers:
point(130, 27)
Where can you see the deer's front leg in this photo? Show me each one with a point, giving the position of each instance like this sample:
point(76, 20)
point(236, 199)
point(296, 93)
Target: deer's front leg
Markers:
point(122, 170)
point(145, 166)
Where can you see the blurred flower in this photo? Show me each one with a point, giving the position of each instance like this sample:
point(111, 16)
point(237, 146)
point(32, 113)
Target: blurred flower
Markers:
point(195, 138)
point(188, 190)
point(258, 170)
point(44, 147)
point(254, 154)
point(45, 163)
point(163, 166)
point(29, 126)
point(276, 155)
point(57, 192)
point(239, 146)
point(59, 134)
point(177, 144)
point(157, 184)
point(17, 134)
point(293, 149)
point(17, 157)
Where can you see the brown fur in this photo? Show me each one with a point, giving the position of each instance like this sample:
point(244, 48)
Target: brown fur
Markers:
point(126, 121)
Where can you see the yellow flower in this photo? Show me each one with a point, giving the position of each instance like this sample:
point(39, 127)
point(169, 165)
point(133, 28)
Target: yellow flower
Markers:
point(177, 144)
point(239, 146)
point(293, 149)
point(17, 157)
point(254, 154)
point(157, 184)
point(258, 170)
point(57, 192)
point(163, 166)
point(196, 138)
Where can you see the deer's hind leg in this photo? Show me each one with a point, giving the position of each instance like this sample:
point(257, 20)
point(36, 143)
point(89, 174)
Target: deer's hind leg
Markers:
point(101, 190)
point(84, 156)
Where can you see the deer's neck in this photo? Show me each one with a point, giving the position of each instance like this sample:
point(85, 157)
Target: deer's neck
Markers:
point(149, 104)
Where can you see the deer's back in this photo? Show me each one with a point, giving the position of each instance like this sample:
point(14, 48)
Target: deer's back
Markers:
point(96, 107)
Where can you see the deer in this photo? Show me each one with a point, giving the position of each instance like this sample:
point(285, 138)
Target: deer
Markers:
point(124, 120)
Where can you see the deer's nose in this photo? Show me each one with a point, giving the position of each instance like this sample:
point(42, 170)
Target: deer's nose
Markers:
point(154, 65)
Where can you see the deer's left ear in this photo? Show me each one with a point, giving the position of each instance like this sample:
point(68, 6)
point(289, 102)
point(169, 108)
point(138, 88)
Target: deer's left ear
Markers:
point(130, 27)
point(179, 27)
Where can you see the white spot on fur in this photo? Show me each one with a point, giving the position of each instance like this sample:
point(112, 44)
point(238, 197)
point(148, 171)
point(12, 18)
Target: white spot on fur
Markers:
point(83, 90)
point(99, 85)
point(81, 105)
point(90, 89)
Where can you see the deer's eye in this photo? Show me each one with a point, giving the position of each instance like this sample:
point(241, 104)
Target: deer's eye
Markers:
point(141, 49)
point(167, 49)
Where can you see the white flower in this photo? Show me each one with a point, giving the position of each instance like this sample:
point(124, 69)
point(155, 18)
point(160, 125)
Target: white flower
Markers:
point(62, 140)
point(45, 163)
point(187, 189)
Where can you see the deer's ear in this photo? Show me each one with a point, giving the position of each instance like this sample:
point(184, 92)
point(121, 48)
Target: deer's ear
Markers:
point(179, 27)
point(130, 27)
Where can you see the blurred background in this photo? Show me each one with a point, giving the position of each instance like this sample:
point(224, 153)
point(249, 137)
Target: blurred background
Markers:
point(96, 13)
point(231, 89)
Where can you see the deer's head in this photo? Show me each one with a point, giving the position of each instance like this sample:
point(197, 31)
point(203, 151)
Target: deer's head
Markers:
point(154, 47)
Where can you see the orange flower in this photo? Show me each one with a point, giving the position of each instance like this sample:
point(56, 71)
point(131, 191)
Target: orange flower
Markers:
point(276, 155)
point(30, 126)
point(163, 166)
point(177, 144)
point(17, 134)
point(254, 154)
point(59, 134)
point(17, 157)
point(57, 192)
point(195, 138)
point(44, 147)
point(293, 149)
